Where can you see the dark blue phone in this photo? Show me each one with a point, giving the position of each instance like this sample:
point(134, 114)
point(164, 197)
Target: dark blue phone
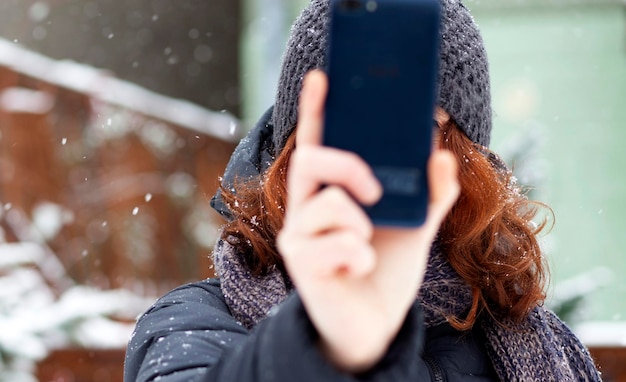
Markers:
point(382, 72)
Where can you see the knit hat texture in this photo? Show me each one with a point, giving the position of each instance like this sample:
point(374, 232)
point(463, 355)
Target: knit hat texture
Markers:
point(463, 82)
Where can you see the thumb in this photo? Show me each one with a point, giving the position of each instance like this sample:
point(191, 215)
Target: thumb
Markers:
point(443, 183)
point(311, 108)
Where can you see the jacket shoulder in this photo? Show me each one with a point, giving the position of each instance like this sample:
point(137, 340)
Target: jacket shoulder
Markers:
point(191, 323)
point(205, 293)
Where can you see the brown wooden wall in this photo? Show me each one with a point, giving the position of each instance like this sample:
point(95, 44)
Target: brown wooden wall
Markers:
point(134, 189)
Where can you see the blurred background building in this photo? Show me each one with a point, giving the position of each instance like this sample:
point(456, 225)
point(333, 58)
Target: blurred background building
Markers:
point(184, 49)
point(117, 117)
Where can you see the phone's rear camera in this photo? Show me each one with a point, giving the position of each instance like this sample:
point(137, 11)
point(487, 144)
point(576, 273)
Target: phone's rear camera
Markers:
point(371, 6)
point(351, 5)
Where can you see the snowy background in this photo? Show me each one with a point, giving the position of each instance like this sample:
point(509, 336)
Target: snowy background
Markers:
point(55, 292)
point(167, 76)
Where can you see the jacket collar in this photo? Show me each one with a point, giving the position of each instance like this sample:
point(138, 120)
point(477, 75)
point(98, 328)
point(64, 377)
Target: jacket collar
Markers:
point(250, 159)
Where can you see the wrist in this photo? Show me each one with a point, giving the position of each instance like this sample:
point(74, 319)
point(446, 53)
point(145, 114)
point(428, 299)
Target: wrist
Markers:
point(353, 359)
point(398, 349)
point(359, 352)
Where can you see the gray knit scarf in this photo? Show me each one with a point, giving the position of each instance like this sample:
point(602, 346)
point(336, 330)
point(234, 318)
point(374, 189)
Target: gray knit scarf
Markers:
point(542, 348)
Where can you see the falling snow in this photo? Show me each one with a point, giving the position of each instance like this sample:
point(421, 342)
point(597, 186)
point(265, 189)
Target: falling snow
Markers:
point(87, 80)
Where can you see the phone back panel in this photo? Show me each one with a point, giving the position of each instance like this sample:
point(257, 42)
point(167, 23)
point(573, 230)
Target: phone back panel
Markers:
point(382, 69)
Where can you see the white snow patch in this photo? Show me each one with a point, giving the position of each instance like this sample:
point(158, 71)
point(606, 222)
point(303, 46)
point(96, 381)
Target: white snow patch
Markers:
point(17, 254)
point(602, 333)
point(49, 218)
point(102, 333)
point(23, 100)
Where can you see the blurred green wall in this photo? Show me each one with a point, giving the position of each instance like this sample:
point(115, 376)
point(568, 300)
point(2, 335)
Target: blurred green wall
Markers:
point(559, 89)
point(559, 77)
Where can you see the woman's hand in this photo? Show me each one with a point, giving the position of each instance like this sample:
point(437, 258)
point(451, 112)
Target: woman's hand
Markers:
point(357, 282)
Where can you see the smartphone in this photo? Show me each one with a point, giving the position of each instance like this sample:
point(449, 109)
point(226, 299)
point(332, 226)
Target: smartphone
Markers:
point(382, 66)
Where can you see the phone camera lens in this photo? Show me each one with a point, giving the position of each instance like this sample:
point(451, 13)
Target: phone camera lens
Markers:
point(371, 6)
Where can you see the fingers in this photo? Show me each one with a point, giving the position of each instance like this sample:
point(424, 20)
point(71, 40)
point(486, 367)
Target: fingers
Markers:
point(339, 253)
point(311, 108)
point(329, 235)
point(332, 209)
point(325, 232)
point(312, 167)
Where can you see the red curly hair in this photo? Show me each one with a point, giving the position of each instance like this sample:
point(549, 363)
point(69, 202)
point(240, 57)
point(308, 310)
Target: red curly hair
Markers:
point(489, 236)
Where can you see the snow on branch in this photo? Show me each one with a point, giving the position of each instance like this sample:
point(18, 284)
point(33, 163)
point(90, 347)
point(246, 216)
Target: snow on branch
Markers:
point(101, 85)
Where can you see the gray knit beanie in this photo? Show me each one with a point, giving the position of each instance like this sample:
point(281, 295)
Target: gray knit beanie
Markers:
point(464, 90)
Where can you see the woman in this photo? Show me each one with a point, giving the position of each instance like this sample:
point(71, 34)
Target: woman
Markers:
point(308, 289)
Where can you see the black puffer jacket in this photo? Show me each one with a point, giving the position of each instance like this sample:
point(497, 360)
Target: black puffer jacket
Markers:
point(189, 335)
